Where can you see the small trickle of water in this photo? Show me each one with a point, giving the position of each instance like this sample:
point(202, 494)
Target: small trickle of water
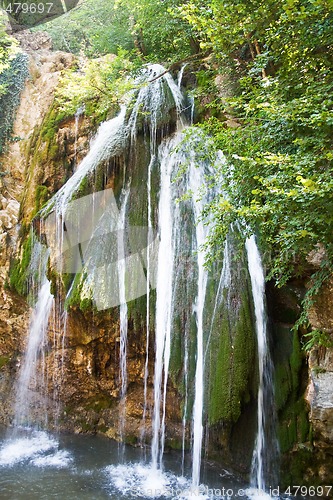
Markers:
point(180, 76)
point(123, 311)
point(186, 363)
point(78, 114)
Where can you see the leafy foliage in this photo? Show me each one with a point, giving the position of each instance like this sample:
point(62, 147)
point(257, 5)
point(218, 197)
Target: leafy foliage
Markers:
point(11, 82)
point(98, 84)
point(93, 28)
point(157, 29)
point(13, 72)
point(8, 46)
point(317, 338)
point(277, 177)
point(99, 27)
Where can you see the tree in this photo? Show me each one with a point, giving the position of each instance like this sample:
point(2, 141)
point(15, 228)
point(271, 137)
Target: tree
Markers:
point(277, 179)
point(158, 30)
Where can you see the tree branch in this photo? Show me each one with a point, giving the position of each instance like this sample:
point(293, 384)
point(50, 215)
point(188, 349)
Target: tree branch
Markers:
point(182, 61)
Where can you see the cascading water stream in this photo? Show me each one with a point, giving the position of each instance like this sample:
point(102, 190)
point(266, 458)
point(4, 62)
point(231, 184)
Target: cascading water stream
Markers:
point(110, 139)
point(78, 114)
point(196, 181)
point(31, 376)
point(28, 374)
point(163, 299)
point(149, 225)
point(186, 362)
point(153, 154)
point(180, 76)
point(260, 464)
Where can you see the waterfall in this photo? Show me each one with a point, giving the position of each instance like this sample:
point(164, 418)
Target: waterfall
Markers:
point(31, 376)
point(183, 289)
point(149, 225)
point(185, 402)
point(153, 154)
point(260, 459)
point(164, 293)
point(196, 181)
point(170, 251)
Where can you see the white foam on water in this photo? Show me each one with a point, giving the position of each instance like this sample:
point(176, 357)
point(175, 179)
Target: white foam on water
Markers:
point(61, 459)
point(144, 481)
point(21, 449)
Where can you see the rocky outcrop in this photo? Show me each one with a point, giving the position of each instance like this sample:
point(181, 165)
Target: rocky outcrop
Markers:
point(37, 96)
point(88, 383)
point(320, 385)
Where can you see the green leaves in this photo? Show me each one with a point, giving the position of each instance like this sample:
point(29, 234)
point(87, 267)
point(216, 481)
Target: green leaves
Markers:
point(99, 84)
point(278, 175)
point(8, 46)
point(317, 338)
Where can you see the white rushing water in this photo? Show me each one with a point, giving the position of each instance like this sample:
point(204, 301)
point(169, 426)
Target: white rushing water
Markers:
point(31, 375)
point(258, 291)
point(78, 115)
point(157, 93)
point(184, 421)
point(110, 140)
point(164, 293)
point(196, 181)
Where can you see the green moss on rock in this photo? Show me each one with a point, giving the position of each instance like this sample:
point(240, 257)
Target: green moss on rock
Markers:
point(293, 423)
point(4, 360)
point(233, 359)
point(18, 277)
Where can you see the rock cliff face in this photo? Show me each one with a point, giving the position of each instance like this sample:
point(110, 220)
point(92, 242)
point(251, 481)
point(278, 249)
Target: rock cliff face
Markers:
point(89, 380)
point(36, 98)
point(320, 386)
point(83, 361)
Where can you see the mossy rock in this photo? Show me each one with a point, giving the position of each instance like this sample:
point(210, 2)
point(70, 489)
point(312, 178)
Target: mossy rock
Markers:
point(233, 359)
point(18, 275)
point(101, 402)
point(4, 361)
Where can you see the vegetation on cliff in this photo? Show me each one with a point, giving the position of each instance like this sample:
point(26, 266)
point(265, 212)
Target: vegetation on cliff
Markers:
point(277, 178)
point(13, 72)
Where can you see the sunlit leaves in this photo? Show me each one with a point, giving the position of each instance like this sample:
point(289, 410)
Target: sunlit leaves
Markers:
point(8, 48)
point(98, 83)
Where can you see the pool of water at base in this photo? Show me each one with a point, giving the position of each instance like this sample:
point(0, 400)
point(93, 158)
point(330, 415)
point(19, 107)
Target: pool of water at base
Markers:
point(38, 465)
